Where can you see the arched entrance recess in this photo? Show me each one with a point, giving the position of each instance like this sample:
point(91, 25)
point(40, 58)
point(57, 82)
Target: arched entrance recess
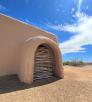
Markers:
point(44, 62)
point(27, 63)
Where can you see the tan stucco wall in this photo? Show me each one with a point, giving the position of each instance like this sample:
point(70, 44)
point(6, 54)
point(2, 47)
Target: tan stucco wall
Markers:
point(13, 36)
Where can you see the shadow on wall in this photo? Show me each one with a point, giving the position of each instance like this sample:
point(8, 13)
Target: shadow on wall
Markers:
point(12, 83)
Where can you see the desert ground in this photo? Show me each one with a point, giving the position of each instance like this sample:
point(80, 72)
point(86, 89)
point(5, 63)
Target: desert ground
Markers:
point(75, 87)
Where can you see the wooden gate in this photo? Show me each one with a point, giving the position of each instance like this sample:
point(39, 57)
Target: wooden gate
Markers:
point(44, 62)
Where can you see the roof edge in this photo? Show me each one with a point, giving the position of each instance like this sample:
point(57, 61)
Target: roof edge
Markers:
point(27, 24)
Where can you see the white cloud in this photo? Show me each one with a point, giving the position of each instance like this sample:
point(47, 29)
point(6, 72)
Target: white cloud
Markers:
point(56, 27)
point(68, 28)
point(82, 30)
point(79, 5)
point(73, 9)
point(2, 8)
point(27, 21)
point(83, 34)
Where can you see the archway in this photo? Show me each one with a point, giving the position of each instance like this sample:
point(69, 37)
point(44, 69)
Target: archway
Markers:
point(27, 62)
point(44, 62)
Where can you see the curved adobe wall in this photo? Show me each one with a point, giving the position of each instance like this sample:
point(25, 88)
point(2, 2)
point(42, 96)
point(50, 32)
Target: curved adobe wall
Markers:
point(28, 54)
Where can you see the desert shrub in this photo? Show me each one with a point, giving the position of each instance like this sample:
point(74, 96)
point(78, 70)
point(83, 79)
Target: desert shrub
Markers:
point(66, 63)
point(74, 63)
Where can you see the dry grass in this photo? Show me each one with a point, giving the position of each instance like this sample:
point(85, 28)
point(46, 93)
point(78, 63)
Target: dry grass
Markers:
point(75, 87)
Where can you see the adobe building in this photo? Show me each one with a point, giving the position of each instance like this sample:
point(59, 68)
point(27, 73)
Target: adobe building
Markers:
point(27, 51)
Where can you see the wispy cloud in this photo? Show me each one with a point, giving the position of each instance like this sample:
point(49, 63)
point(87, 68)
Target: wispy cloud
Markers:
point(82, 30)
point(68, 28)
point(83, 36)
point(27, 20)
point(79, 5)
point(2, 8)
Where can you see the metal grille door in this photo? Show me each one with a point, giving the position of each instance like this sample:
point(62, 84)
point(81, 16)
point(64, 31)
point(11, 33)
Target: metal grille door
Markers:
point(44, 62)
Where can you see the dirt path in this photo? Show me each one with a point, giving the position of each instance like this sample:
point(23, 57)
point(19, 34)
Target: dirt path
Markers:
point(75, 87)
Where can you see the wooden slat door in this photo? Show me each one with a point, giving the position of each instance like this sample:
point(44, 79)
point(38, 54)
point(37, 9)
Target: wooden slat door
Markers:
point(44, 62)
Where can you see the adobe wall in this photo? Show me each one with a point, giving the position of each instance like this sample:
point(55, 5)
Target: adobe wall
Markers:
point(13, 34)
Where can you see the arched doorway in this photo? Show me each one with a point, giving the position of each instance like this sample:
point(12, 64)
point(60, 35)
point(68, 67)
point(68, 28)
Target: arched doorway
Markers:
point(44, 62)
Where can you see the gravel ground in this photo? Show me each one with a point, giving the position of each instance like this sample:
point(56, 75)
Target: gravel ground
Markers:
point(75, 87)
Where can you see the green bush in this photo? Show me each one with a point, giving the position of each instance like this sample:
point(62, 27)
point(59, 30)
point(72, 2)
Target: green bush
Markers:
point(74, 63)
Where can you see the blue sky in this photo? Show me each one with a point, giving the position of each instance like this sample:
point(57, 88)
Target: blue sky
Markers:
point(70, 20)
